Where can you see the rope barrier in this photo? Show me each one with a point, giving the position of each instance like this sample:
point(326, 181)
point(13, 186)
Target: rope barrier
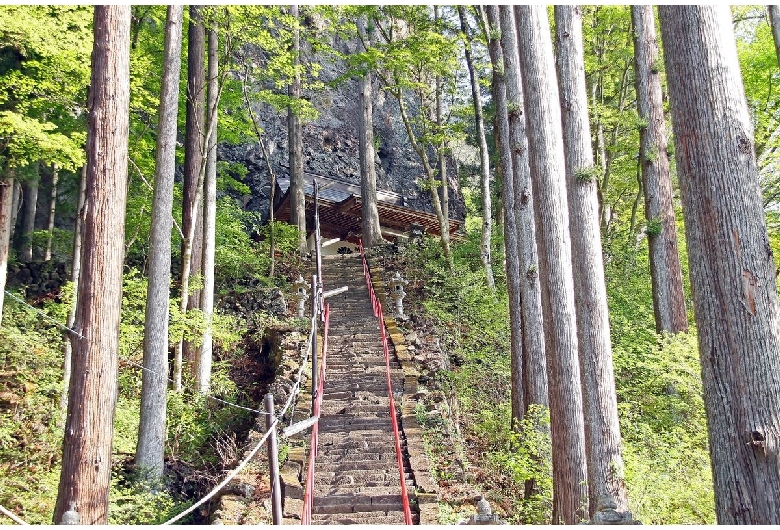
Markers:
point(45, 316)
point(13, 517)
point(377, 306)
point(130, 361)
point(230, 476)
point(277, 418)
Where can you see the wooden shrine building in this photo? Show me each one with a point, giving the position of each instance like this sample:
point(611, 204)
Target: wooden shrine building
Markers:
point(340, 213)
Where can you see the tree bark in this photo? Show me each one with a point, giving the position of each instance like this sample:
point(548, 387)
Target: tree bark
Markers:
point(86, 458)
point(731, 264)
point(372, 234)
point(52, 211)
point(194, 165)
point(444, 189)
point(421, 150)
point(150, 450)
point(606, 479)
point(534, 368)
point(512, 262)
point(209, 217)
point(484, 157)
point(6, 207)
point(29, 207)
point(546, 156)
point(665, 272)
point(774, 21)
point(17, 198)
point(295, 146)
point(78, 236)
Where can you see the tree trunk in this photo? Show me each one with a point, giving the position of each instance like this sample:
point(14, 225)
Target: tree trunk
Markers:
point(774, 22)
point(194, 164)
point(534, 367)
point(52, 211)
point(30, 188)
point(209, 218)
point(86, 458)
point(731, 265)
point(150, 451)
point(444, 189)
point(430, 172)
point(17, 198)
point(512, 262)
point(665, 272)
point(546, 157)
point(606, 480)
point(295, 146)
point(6, 206)
point(372, 234)
point(484, 157)
point(78, 236)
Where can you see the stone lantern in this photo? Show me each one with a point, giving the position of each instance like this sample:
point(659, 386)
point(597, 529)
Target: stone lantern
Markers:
point(397, 293)
point(300, 294)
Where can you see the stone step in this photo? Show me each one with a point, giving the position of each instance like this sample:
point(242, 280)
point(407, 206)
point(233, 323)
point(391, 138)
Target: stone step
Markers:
point(369, 491)
point(348, 503)
point(372, 518)
point(366, 465)
point(344, 408)
point(336, 424)
point(360, 477)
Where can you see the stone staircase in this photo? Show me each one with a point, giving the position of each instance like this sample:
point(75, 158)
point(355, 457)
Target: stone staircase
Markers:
point(356, 478)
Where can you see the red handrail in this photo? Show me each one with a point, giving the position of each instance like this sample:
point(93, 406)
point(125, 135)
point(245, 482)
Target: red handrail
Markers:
point(309, 495)
point(377, 307)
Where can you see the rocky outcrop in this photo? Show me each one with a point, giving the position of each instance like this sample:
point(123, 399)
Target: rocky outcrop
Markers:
point(330, 143)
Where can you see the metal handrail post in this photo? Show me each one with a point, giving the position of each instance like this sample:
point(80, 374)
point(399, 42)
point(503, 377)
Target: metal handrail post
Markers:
point(315, 313)
point(273, 461)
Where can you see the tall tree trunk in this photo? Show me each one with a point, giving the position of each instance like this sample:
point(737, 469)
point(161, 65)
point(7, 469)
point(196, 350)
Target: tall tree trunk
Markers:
point(78, 236)
point(534, 368)
point(512, 261)
point(372, 234)
point(86, 455)
point(665, 272)
point(546, 155)
point(606, 479)
point(295, 146)
point(52, 211)
point(430, 172)
point(731, 265)
point(15, 206)
point(150, 450)
point(484, 157)
point(774, 21)
point(194, 165)
point(6, 206)
point(209, 217)
point(444, 189)
point(29, 208)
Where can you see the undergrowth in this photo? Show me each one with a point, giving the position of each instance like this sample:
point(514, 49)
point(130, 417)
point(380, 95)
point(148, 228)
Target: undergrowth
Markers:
point(657, 378)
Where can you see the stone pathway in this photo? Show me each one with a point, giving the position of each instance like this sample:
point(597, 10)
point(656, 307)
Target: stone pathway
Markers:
point(356, 478)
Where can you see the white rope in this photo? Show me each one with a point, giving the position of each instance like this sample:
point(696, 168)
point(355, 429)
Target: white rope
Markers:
point(45, 316)
point(230, 477)
point(293, 392)
point(12, 516)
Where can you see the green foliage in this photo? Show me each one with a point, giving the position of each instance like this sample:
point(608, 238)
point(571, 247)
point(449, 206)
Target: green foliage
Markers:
point(588, 174)
point(44, 72)
point(664, 432)
point(132, 502)
point(30, 435)
point(654, 227)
